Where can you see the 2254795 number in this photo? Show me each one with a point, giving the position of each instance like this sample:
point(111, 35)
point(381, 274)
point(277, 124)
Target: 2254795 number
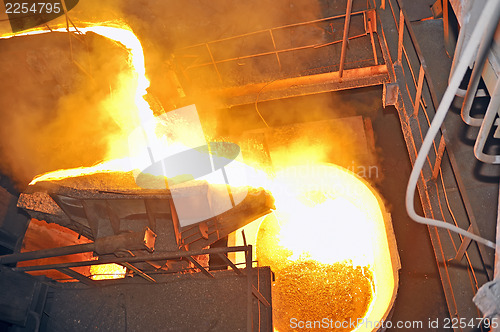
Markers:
point(34, 8)
point(455, 323)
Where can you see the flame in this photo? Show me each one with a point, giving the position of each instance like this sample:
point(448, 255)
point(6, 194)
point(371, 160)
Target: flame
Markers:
point(324, 229)
point(120, 155)
point(107, 271)
point(324, 214)
point(123, 34)
point(324, 206)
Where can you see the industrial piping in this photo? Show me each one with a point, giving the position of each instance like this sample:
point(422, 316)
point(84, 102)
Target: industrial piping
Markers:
point(488, 20)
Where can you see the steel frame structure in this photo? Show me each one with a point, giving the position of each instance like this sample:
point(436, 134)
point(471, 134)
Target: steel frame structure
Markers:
point(264, 306)
point(284, 83)
point(464, 265)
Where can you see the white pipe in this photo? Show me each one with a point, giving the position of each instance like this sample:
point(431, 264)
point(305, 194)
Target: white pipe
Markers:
point(482, 55)
point(488, 16)
point(484, 131)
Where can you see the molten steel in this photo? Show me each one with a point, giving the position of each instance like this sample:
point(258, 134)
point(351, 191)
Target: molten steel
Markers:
point(326, 242)
point(107, 271)
point(321, 243)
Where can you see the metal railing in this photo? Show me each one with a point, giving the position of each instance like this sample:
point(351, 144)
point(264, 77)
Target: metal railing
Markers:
point(247, 272)
point(418, 90)
point(204, 54)
point(420, 102)
point(78, 36)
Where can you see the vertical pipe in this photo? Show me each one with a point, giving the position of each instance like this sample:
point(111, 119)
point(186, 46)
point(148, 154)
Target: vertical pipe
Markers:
point(418, 96)
point(496, 274)
point(249, 288)
point(213, 62)
point(462, 36)
point(274, 45)
point(372, 41)
point(488, 122)
point(346, 36)
point(400, 36)
point(482, 54)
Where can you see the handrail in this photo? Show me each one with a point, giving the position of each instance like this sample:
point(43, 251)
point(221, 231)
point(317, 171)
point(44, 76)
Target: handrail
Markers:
point(252, 290)
point(404, 24)
point(488, 17)
point(213, 60)
point(276, 28)
point(135, 259)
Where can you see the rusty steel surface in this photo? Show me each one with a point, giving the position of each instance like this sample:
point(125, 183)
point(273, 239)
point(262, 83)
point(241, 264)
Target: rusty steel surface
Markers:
point(77, 306)
point(196, 303)
point(131, 222)
point(158, 256)
point(144, 240)
point(304, 85)
point(345, 48)
point(454, 187)
point(390, 94)
point(345, 39)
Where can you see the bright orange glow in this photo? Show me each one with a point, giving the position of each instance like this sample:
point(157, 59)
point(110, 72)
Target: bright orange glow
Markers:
point(318, 205)
point(107, 271)
point(328, 226)
point(119, 148)
point(326, 217)
point(122, 153)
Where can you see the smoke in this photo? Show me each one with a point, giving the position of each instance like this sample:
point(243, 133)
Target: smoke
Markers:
point(54, 115)
point(323, 128)
point(179, 25)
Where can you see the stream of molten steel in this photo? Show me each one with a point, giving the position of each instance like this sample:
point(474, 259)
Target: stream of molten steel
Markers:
point(306, 213)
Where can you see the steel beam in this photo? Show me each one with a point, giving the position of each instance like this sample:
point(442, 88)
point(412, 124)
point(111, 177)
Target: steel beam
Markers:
point(303, 85)
point(78, 276)
point(120, 260)
point(230, 263)
point(139, 272)
point(248, 260)
point(346, 36)
point(46, 253)
point(198, 265)
point(102, 246)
